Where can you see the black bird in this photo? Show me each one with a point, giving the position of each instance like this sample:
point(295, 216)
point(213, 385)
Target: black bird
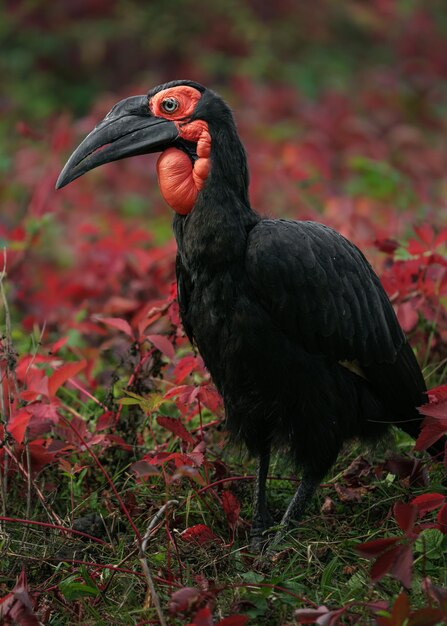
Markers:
point(293, 324)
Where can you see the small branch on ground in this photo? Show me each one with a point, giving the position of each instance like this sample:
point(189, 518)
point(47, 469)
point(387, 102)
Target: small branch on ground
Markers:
point(152, 592)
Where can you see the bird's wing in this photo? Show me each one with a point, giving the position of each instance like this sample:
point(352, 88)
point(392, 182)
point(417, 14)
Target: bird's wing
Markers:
point(320, 290)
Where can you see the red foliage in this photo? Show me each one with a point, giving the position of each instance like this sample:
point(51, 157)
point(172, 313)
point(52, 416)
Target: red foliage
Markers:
point(232, 508)
point(184, 600)
point(434, 425)
point(200, 534)
point(322, 616)
point(17, 607)
point(401, 615)
point(394, 554)
point(176, 427)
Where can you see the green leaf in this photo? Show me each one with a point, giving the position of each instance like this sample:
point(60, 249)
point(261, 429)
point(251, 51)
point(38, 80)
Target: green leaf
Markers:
point(431, 543)
point(252, 577)
point(328, 580)
point(73, 590)
point(128, 401)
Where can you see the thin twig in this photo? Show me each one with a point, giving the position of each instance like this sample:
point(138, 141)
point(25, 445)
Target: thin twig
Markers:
point(146, 569)
point(28, 487)
point(71, 531)
point(156, 520)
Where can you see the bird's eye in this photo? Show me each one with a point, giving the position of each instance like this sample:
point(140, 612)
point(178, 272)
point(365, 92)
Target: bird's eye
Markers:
point(169, 105)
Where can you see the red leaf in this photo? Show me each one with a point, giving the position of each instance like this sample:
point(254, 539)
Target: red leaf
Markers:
point(437, 394)
point(425, 233)
point(233, 620)
point(384, 564)
point(197, 455)
point(401, 610)
point(371, 549)
point(60, 376)
point(209, 396)
point(415, 247)
point(437, 410)
point(106, 420)
point(199, 534)
point(37, 385)
point(440, 238)
point(426, 617)
point(332, 618)
point(403, 467)
point(189, 472)
point(18, 424)
point(232, 507)
point(428, 502)
point(186, 397)
point(186, 393)
point(435, 593)
point(184, 367)
point(163, 344)
point(119, 441)
point(321, 616)
point(163, 457)
point(117, 322)
point(310, 616)
point(176, 427)
point(402, 566)
point(143, 469)
point(54, 349)
point(39, 454)
point(386, 245)
point(152, 317)
point(405, 515)
point(17, 607)
point(442, 519)
point(203, 617)
point(44, 411)
point(408, 316)
point(184, 600)
point(430, 433)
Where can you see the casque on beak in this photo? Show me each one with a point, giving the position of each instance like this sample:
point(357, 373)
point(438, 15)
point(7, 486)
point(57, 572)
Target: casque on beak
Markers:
point(129, 129)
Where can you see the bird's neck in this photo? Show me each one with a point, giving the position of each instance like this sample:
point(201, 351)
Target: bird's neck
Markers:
point(229, 172)
point(214, 234)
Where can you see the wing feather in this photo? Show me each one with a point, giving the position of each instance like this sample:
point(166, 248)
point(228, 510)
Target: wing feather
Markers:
point(319, 289)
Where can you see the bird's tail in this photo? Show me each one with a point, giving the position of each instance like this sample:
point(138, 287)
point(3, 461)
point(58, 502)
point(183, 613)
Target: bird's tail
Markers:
point(401, 388)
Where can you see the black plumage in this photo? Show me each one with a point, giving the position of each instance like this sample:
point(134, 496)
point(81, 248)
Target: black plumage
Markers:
point(293, 324)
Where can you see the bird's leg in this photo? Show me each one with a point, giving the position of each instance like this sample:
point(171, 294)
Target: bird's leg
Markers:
point(296, 508)
point(261, 516)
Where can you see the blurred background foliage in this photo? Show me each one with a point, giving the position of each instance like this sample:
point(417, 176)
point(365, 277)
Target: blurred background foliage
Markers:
point(62, 55)
point(341, 105)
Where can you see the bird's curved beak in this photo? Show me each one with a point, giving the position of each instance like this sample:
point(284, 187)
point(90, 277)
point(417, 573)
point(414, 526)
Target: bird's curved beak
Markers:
point(128, 130)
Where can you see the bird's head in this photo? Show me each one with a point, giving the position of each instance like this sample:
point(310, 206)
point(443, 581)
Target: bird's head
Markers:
point(190, 125)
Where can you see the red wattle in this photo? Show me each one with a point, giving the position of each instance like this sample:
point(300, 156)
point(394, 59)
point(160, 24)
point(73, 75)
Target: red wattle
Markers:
point(176, 180)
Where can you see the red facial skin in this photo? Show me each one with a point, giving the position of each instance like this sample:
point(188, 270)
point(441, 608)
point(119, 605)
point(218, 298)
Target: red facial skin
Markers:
point(180, 181)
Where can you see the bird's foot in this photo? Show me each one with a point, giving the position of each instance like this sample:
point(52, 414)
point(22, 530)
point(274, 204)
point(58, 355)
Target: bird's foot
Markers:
point(270, 549)
point(258, 540)
point(277, 540)
point(259, 535)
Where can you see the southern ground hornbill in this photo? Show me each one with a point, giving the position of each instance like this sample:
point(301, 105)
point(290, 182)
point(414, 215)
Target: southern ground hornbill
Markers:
point(292, 322)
